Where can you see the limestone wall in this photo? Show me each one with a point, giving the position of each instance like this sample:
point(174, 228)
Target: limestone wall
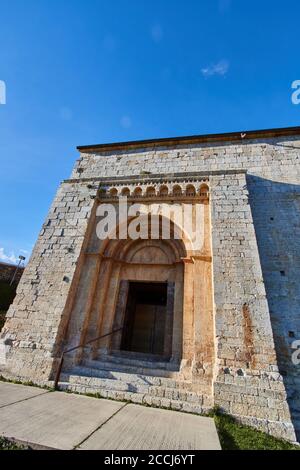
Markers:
point(273, 183)
point(247, 382)
point(256, 268)
point(272, 180)
point(36, 313)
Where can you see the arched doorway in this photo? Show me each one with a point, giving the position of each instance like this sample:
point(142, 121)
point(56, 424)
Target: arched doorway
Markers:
point(142, 283)
point(155, 294)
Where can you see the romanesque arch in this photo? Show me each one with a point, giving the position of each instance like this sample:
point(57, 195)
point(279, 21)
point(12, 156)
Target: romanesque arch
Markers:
point(155, 294)
point(138, 294)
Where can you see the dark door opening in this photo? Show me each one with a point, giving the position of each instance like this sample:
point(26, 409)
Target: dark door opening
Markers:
point(145, 318)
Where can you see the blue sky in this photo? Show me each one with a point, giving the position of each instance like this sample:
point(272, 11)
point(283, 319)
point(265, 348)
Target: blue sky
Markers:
point(80, 72)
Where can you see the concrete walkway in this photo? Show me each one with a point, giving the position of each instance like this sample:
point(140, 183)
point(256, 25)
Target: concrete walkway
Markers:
point(59, 420)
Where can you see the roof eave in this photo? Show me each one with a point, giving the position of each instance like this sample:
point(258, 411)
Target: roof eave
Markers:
point(194, 139)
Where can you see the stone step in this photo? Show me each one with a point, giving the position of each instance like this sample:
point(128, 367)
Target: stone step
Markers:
point(202, 385)
point(134, 367)
point(122, 373)
point(116, 374)
point(104, 383)
point(203, 405)
point(140, 360)
point(183, 391)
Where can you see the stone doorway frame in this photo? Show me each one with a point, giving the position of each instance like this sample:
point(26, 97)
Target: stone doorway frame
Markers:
point(100, 262)
point(120, 315)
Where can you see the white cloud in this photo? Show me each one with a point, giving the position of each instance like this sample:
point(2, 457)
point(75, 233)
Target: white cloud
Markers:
point(12, 258)
point(126, 122)
point(24, 252)
point(7, 258)
point(157, 33)
point(219, 68)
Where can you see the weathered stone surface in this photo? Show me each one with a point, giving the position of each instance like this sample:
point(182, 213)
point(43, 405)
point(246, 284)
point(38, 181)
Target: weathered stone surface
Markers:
point(240, 301)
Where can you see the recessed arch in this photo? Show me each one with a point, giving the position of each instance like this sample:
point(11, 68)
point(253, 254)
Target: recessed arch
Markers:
point(204, 190)
point(150, 191)
point(190, 190)
point(138, 192)
point(113, 192)
point(125, 192)
point(150, 252)
point(179, 237)
point(120, 274)
point(177, 190)
point(163, 190)
point(144, 268)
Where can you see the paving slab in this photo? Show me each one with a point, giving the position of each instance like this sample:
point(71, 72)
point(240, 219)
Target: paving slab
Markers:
point(137, 427)
point(55, 419)
point(13, 393)
point(60, 420)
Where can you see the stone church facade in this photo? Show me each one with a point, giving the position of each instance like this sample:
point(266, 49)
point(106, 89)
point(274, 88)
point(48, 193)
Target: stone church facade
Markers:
point(163, 321)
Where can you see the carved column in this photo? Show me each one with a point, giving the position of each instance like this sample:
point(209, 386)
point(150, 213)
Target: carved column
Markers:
point(169, 320)
point(188, 311)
